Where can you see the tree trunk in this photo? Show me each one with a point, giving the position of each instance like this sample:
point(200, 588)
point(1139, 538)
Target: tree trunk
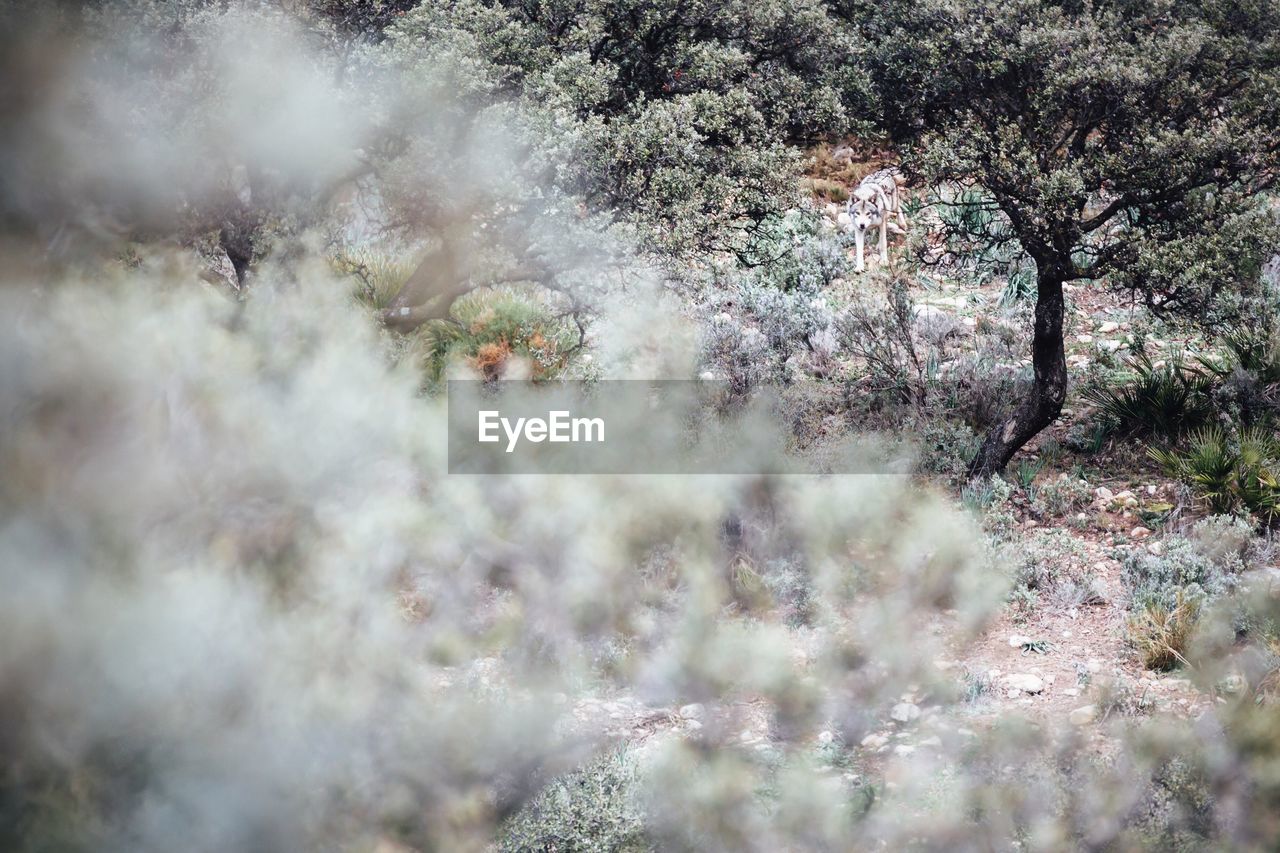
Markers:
point(1049, 391)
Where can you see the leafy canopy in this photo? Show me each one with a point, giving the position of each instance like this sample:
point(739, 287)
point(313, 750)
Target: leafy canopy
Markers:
point(1121, 138)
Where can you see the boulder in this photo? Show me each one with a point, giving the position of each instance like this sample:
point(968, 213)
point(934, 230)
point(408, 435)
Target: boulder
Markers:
point(1024, 682)
point(905, 712)
point(1083, 716)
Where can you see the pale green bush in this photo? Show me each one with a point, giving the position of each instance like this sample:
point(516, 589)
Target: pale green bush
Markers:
point(593, 808)
point(1183, 564)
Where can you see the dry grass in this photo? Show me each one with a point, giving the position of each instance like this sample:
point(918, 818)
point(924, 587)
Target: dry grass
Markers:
point(1160, 634)
point(833, 169)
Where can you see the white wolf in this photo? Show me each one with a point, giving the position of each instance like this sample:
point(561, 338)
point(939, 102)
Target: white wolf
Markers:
point(876, 199)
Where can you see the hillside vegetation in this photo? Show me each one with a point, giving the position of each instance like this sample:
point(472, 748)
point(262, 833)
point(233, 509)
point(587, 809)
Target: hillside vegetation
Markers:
point(1028, 596)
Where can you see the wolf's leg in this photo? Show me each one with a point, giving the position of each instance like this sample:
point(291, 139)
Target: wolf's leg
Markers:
point(884, 238)
point(859, 239)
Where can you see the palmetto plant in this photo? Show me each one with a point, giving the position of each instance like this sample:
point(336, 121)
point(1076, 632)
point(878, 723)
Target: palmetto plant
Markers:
point(1243, 472)
point(1254, 352)
point(1163, 401)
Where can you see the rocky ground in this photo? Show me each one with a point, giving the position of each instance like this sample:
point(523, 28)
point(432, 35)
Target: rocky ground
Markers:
point(1068, 666)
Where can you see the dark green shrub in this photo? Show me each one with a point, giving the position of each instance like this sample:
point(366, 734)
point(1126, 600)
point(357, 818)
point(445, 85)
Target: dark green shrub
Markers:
point(1163, 401)
point(1230, 472)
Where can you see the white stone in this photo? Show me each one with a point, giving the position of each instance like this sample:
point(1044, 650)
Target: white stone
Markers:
point(1233, 683)
point(1108, 327)
point(905, 712)
point(874, 741)
point(691, 711)
point(1084, 715)
point(1139, 532)
point(1023, 682)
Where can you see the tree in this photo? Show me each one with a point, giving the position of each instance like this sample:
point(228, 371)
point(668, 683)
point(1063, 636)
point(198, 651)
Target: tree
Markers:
point(679, 116)
point(1122, 141)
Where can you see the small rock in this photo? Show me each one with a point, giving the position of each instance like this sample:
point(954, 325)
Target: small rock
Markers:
point(1233, 684)
point(1024, 682)
point(874, 741)
point(1111, 346)
point(1155, 549)
point(933, 322)
point(1093, 665)
point(934, 741)
point(1139, 532)
point(1108, 327)
point(1085, 339)
point(905, 712)
point(826, 738)
point(692, 711)
point(1102, 493)
point(1071, 691)
point(1017, 641)
point(1083, 716)
point(903, 749)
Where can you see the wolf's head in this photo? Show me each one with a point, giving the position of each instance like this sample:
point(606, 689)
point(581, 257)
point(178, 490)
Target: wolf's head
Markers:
point(866, 207)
